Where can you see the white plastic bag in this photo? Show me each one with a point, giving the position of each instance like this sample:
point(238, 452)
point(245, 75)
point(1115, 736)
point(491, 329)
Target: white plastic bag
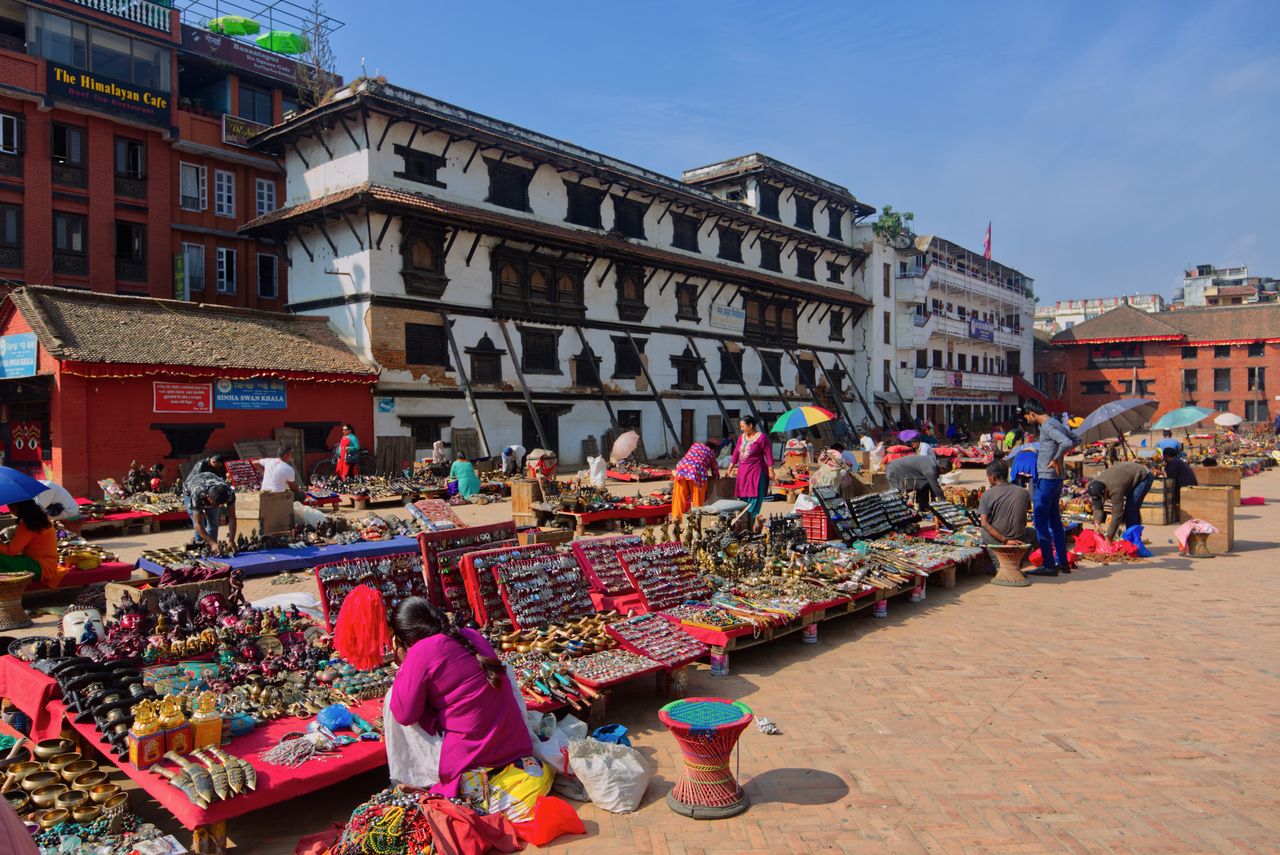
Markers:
point(614, 776)
point(573, 728)
point(597, 469)
point(554, 752)
point(307, 515)
point(805, 502)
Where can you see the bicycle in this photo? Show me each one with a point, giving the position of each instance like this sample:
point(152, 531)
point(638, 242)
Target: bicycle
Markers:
point(366, 464)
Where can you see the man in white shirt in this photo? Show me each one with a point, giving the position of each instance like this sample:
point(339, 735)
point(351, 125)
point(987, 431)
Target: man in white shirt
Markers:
point(278, 474)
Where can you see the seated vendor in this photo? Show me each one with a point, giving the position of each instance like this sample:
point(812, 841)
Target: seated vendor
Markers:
point(1180, 471)
point(464, 473)
point(451, 685)
point(1003, 508)
point(34, 546)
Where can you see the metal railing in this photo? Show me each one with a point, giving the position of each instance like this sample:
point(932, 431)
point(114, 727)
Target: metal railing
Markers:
point(145, 12)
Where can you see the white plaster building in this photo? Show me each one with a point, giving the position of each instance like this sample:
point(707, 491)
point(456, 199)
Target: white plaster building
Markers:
point(541, 292)
point(1204, 282)
point(1065, 314)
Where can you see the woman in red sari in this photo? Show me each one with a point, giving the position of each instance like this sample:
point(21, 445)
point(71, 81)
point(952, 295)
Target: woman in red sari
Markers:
point(347, 464)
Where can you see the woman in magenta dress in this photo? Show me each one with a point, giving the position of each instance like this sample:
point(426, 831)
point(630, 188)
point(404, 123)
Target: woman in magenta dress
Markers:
point(451, 684)
point(753, 463)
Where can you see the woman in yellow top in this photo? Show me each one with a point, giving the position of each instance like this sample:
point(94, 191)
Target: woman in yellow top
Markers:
point(34, 545)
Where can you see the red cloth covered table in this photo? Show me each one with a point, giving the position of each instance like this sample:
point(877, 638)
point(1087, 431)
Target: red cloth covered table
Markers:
point(275, 783)
point(107, 571)
point(35, 694)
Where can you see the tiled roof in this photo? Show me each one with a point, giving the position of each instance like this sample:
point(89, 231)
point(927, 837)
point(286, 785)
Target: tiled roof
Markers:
point(83, 326)
point(1120, 324)
point(586, 240)
point(1255, 322)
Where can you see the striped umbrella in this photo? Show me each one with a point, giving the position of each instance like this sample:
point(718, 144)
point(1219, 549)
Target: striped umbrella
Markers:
point(801, 418)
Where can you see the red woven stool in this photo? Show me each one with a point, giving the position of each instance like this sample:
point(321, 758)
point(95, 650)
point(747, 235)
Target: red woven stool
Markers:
point(706, 729)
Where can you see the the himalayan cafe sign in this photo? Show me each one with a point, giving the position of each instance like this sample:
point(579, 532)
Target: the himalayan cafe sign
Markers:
point(106, 95)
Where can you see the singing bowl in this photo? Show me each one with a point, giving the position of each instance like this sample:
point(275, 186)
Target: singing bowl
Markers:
point(55, 817)
point(71, 771)
point(47, 797)
point(36, 780)
point(18, 800)
point(86, 814)
point(71, 799)
point(89, 780)
point(47, 749)
point(18, 771)
point(99, 794)
point(116, 802)
point(57, 764)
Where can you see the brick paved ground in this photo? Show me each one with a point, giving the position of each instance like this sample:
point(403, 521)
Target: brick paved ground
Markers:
point(1120, 709)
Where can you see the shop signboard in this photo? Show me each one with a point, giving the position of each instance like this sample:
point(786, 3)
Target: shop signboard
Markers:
point(243, 56)
point(18, 355)
point(727, 318)
point(386, 405)
point(981, 330)
point(107, 95)
point(181, 397)
point(257, 394)
point(238, 131)
point(180, 277)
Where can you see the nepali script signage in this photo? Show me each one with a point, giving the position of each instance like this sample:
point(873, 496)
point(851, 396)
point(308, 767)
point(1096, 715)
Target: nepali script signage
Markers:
point(106, 95)
point(181, 397)
point(243, 56)
point(981, 330)
point(249, 395)
point(727, 318)
point(18, 355)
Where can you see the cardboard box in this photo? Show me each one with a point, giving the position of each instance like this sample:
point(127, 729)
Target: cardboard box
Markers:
point(270, 513)
point(1217, 476)
point(1216, 505)
point(148, 593)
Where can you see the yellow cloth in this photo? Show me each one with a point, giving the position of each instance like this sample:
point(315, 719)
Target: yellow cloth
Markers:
point(686, 494)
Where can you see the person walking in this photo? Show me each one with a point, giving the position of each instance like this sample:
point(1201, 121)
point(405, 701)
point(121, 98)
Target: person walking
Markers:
point(1126, 485)
point(1056, 439)
point(689, 482)
point(347, 464)
point(1002, 510)
point(915, 473)
point(751, 465)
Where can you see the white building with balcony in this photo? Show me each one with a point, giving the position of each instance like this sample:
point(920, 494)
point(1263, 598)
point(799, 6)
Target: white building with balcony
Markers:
point(1065, 314)
point(962, 337)
point(517, 288)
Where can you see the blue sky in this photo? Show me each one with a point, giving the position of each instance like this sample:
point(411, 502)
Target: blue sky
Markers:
point(1110, 144)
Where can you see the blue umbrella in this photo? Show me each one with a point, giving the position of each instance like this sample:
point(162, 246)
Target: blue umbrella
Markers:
point(1182, 417)
point(18, 487)
point(1116, 418)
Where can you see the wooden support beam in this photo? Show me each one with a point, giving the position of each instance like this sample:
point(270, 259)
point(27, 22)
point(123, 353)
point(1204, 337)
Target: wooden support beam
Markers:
point(413, 135)
point(368, 224)
point(664, 213)
point(711, 384)
point(474, 152)
point(835, 389)
point(604, 395)
point(386, 224)
point(453, 236)
point(813, 311)
point(608, 267)
point(662, 406)
point(813, 393)
point(355, 234)
point(475, 243)
point(775, 382)
point(364, 121)
point(351, 136)
point(447, 145)
point(324, 145)
point(324, 231)
point(666, 282)
point(649, 278)
point(386, 129)
point(524, 387)
point(302, 243)
point(466, 387)
point(300, 155)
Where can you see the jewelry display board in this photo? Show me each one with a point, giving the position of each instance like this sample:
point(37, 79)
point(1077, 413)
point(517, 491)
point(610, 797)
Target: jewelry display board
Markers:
point(598, 557)
point(477, 575)
point(901, 516)
point(395, 577)
point(243, 475)
point(952, 516)
point(657, 638)
point(870, 516)
point(839, 514)
point(452, 584)
point(432, 543)
point(664, 574)
point(540, 590)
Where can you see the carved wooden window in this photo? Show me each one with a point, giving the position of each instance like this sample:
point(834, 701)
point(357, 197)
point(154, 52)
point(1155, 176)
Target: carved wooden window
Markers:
point(422, 264)
point(509, 185)
point(771, 255)
point(583, 205)
point(804, 213)
point(628, 217)
point(420, 166)
point(630, 284)
point(769, 200)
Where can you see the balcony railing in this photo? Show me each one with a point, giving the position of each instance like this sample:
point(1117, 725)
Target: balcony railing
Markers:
point(144, 12)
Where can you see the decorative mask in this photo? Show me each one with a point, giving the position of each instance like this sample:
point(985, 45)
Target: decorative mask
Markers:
point(84, 626)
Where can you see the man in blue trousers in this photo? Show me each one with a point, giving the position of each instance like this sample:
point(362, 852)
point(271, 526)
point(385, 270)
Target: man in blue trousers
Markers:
point(1056, 439)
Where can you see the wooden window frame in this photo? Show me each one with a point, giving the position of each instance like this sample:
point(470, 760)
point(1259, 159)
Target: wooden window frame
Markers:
point(275, 275)
point(422, 281)
point(553, 335)
point(522, 303)
point(622, 349)
point(634, 208)
point(421, 167)
point(687, 312)
point(730, 248)
point(630, 309)
point(426, 356)
point(581, 199)
point(770, 255)
point(771, 211)
point(805, 263)
point(11, 250)
point(498, 169)
point(685, 229)
point(804, 212)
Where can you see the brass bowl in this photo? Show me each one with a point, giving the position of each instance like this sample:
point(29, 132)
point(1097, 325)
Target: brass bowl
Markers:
point(47, 749)
point(99, 794)
point(46, 797)
point(36, 780)
point(22, 770)
point(71, 771)
point(86, 814)
point(51, 818)
point(116, 802)
point(58, 763)
point(71, 799)
point(18, 800)
point(89, 780)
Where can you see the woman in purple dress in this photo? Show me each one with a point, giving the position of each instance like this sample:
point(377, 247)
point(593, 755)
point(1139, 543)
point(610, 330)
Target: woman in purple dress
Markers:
point(451, 684)
point(753, 464)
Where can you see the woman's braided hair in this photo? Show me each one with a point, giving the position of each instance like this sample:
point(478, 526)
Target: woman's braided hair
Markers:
point(414, 619)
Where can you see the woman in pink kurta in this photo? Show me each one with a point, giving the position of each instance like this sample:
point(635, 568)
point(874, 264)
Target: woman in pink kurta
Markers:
point(753, 462)
point(451, 683)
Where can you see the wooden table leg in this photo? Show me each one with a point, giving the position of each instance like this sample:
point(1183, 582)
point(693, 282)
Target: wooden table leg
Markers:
point(948, 577)
point(209, 839)
point(597, 712)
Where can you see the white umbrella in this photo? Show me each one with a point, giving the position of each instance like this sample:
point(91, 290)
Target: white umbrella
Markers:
point(58, 495)
point(1228, 420)
point(624, 446)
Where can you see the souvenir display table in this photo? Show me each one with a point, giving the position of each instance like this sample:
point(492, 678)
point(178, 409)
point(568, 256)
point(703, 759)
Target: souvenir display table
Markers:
point(107, 571)
point(645, 513)
point(35, 694)
point(639, 473)
point(265, 562)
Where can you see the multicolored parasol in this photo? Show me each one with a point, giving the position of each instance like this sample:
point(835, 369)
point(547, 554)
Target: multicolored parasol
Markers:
point(801, 418)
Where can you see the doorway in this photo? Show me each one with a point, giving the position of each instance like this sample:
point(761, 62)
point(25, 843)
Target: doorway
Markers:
point(686, 428)
point(550, 418)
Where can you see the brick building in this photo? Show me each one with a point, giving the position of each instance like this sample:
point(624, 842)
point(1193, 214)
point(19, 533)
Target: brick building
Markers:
point(1206, 357)
point(119, 378)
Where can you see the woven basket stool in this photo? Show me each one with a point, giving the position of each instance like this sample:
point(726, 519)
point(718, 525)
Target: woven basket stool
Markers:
point(1008, 558)
point(12, 615)
point(706, 729)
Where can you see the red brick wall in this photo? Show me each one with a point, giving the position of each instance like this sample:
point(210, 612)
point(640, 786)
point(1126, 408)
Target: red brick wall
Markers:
point(1164, 365)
